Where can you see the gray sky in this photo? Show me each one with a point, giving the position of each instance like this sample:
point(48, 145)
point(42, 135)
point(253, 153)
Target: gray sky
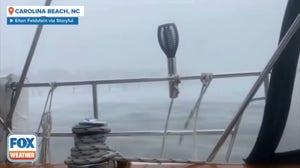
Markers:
point(215, 35)
point(118, 39)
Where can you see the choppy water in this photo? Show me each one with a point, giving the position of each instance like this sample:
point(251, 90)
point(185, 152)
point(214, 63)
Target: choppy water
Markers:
point(150, 115)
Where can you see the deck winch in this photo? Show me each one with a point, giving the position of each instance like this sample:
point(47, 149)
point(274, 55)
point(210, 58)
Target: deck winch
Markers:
point(89, 145)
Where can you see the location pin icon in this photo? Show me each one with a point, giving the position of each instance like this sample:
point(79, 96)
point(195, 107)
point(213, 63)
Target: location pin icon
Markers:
point(11, 10)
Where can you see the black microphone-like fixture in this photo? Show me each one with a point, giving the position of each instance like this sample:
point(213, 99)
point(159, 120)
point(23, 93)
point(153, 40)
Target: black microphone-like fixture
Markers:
point(168, 40)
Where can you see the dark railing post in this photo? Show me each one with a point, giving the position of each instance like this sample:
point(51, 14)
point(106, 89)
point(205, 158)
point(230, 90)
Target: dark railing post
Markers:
point(95, 100)
point(266, 85)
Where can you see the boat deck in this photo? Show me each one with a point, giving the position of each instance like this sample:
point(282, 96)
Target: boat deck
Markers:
point(145, 165)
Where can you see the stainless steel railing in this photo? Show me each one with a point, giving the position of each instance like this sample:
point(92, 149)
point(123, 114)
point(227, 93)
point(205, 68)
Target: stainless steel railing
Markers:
point(94, 83)
point(150, 133)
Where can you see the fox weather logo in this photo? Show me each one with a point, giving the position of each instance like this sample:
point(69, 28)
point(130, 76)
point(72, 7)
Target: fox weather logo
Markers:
point(22, 147)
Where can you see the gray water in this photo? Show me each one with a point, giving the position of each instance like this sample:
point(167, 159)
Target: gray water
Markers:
point(133, 115)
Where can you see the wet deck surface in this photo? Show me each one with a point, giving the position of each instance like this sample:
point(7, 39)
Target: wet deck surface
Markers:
point(28, 165)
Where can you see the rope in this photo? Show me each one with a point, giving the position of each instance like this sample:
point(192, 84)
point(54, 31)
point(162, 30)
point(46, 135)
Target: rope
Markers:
point(206, 78)
point(174, 86)
point(166, 128)
point(50, 94)
point(205, 83)
point(156, 160)
point(90, 148)
point(46, 125)
point(174, 93)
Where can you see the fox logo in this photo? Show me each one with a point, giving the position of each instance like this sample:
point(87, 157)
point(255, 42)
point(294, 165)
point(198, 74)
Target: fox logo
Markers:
point(22, 147)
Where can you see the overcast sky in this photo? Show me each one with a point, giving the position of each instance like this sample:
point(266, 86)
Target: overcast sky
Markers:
point(215, 36)
point(118, 38)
